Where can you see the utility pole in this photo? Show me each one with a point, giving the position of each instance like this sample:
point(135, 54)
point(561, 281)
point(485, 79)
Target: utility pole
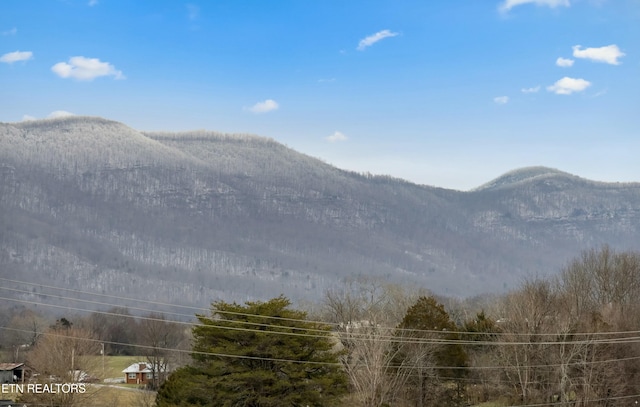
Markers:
point(102, 352)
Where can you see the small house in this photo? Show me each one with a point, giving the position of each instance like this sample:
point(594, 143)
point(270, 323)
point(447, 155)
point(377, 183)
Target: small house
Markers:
point(141, 373)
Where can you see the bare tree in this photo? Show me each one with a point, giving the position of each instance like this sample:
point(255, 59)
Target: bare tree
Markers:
point(528, 314)
point(376, 371)
point(367, 313)
point(602, 277)
point(63, 355)
point(117, 327)
point(369, 300)
point(602, 289)
point(22, 333)
point(161, 339)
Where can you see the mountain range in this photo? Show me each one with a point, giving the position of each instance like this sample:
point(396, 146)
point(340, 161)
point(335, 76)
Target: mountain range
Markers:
point(92, 205)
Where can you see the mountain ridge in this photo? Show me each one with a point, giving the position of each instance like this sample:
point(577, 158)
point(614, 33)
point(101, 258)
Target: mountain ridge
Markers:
point(508, 179)
point(197, 216)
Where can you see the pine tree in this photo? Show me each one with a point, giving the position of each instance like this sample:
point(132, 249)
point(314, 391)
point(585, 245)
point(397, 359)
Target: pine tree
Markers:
point(260, 354)
point(437, 365)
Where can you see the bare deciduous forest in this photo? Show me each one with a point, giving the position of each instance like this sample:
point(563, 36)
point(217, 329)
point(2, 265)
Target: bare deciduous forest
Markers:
point(91, 204)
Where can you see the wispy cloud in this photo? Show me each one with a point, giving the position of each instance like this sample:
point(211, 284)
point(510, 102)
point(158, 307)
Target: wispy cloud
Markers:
point(193, 12)
point(264, 107)
point(16, 56)
point(564, 62)
point(12, 31)
point(59, 113)
point(608, 54)
point(86, 69)
point(336, 137)
point(598, 94)
point(53, 115)
point(93, 3)
point(372, 39)
point(567, 86)
point(501, 100)
point(534, 89)
point(507, 5)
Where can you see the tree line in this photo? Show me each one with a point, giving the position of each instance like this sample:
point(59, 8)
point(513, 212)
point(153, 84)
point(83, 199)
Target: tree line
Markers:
point(569, 340)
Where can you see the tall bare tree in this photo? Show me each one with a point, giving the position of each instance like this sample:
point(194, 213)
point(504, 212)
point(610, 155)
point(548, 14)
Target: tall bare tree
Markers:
point(63, 355)
point(162, 340)
point(528, 314)
point(602, 289)
point(602, 277)
point(23, 331)
point(376, 371)
point(367, 313)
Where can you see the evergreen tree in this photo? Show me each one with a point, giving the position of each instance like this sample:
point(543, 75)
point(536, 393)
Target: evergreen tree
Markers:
point(438, 360)
point(260, 354)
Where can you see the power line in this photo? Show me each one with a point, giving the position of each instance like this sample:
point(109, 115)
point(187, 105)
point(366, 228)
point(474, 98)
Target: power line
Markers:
point(203, 353)
point(153, 302)
point(578, 363)
point(349, 336)
point(222, 312)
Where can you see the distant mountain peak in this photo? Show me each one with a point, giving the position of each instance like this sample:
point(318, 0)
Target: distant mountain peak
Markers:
point(522, 175)
point(84, 142)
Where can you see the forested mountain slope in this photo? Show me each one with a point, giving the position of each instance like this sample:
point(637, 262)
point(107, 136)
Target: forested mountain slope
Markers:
point(91, 204)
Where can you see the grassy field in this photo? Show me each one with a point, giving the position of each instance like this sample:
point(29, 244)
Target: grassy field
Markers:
point(114, 365)
point(112, 395)
point(98, 395)
point(121, 394)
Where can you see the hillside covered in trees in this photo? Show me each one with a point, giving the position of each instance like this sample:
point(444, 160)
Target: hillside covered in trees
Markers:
point(92, 204)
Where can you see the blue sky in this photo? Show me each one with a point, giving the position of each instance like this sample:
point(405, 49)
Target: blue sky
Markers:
point(449, 93)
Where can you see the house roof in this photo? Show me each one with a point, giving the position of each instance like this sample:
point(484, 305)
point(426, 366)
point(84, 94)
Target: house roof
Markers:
point(10, 366)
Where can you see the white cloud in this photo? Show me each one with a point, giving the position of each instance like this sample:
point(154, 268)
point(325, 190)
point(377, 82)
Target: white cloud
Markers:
point(509, 4)
point(59, 113)
point(53, 115)
point(93, 3)
point(501, 100)
point(85, 69)
point(535, 89)
point(16, 56)
point(12, 31)
point(567, 86)
point(564, 62)
point(264, 107)
point(372, 39)
point(608, 54)
point(336, 137)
